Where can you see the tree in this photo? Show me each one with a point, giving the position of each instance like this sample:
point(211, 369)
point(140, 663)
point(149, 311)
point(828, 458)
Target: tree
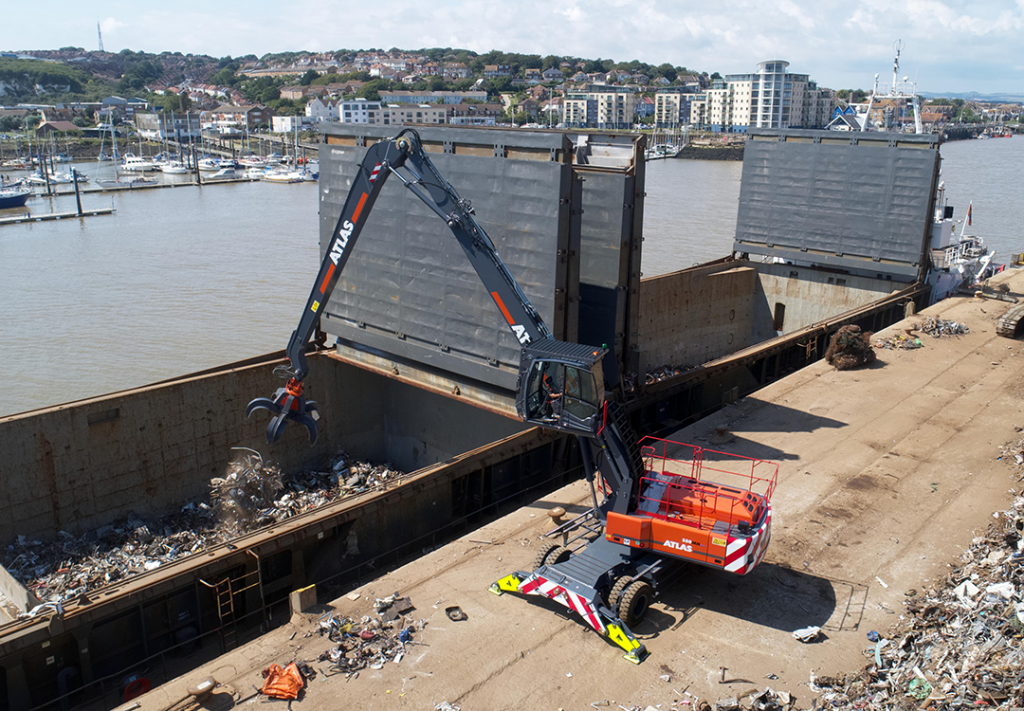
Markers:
point(81, 121)
point(224, 77)
point(170, 102)
point(666, 70)
point(32, 121)
point(9, 123)
point(271, 93)
point(308, 77)
point(371, 90)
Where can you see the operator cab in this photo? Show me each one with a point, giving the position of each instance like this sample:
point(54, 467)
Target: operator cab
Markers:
point(561, 386)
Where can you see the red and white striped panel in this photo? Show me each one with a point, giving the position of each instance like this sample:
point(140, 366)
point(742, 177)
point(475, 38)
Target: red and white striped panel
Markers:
point(536, 585)
point(374, 172)
point(742, 555)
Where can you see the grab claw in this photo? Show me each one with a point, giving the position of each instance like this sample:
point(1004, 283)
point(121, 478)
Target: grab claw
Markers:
point(288, 403)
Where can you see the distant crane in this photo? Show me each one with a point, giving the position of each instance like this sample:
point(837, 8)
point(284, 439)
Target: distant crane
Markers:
point(99, 34)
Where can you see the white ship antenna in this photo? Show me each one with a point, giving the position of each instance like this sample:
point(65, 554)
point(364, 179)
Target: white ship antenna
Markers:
point(898, 45)
point(871, 102)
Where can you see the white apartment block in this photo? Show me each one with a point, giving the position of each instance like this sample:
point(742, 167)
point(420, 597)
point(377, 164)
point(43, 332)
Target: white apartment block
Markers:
point(673, 107)
point(771, 97)
point(359, 111)
point(601, 107)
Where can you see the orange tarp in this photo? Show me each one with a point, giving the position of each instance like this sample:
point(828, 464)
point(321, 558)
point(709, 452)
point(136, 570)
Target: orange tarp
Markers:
point(282, 683)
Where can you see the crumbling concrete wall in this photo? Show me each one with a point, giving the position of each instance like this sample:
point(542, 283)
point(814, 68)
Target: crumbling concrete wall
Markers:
point(696, 315)
point(79, 466)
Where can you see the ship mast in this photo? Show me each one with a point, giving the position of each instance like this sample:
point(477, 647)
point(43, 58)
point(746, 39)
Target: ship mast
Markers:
point(899, 90)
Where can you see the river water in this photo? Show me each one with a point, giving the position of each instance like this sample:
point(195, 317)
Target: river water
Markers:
point(183, 279)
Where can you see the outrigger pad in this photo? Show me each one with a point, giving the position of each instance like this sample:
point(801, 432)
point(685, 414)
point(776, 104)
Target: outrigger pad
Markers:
point(286, 407)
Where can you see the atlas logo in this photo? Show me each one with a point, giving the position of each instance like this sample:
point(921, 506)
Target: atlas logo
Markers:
point(339, 244)
point(679, 546)
point(521, 333)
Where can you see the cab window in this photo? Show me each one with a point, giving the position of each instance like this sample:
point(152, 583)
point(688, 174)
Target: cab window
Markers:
point(546, 388)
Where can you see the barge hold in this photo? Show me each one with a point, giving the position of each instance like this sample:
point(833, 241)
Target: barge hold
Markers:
point(396, 388)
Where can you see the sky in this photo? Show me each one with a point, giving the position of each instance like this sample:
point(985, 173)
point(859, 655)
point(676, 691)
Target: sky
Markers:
point(948, 45)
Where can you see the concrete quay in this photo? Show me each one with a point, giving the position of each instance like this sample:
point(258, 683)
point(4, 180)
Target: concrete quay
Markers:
point(886, 475)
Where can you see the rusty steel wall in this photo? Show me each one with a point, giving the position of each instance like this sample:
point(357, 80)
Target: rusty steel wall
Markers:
point(79, 466)
point(696, 315)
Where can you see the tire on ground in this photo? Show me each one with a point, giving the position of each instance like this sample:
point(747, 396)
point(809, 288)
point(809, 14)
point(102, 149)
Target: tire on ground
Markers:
point(636, 600)
point(615, 594)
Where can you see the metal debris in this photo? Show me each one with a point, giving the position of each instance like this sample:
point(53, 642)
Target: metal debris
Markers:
point(938, 327)
point(251, 495)
point(370, 642)
point(899, 342)
point(665, 372)
point(959, 646)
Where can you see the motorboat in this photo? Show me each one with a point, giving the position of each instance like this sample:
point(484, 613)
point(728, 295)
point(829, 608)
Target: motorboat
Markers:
point(129, 182)
point(283, 175)
point(174, 168)
point(137, 164)
point(223, 174)
point(209, 165)
point(16, 164)
point(14, 196)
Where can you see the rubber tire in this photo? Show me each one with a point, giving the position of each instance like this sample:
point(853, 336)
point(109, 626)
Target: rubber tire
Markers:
point(636, 601)
point(551, 553)
point(615, 594)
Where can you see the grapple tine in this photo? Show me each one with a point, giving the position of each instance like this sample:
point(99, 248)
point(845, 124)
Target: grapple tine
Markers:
point(310, 424)
point(262, 403)
point(275, 427)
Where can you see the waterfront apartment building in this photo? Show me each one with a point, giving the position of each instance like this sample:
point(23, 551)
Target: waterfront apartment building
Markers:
point(673, 107)
point(475, 114)
point(399, 114)
point(431, 97)
point(358, 111)
point(177, 127)
point(599, 107)
point(225, 116)
point(771, 97)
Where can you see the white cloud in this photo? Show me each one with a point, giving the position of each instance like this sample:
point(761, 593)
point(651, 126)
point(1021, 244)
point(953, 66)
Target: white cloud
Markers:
point(110, 25)
point(949, 43)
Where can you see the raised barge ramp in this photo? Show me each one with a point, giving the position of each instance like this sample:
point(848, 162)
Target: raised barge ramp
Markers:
point(399, 387)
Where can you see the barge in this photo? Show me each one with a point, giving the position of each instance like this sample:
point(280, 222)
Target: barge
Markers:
point(411, 370)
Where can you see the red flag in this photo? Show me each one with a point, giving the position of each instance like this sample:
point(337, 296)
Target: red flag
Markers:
point(969, 206)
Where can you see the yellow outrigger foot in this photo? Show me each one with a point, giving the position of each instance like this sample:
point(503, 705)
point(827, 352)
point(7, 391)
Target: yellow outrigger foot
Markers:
point(635, 652)
point(510, 583)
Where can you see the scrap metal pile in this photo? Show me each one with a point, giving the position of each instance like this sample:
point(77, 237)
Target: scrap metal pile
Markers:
point(934, 327)
point(251, 495)
point(370, 642)
point(938, 327)
point(849, 348)
point(960, 646)
point(665, 372)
